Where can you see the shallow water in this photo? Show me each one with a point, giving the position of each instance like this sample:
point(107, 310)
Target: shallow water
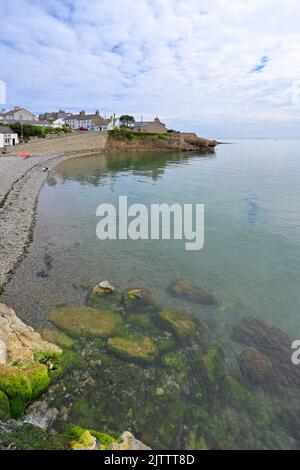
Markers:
point(250, 260)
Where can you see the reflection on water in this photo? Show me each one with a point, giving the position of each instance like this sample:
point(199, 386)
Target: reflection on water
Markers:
point(249, 263)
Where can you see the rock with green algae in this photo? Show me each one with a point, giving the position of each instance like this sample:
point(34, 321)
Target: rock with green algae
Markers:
point(84, 442)
point(180, 323)
point(133, 347)
point(4, 407)
point(58, 337)
point(186, 290)
point(87, 438)
point(86, 321)
point(23, 384)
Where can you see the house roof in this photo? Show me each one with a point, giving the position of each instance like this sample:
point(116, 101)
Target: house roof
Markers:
point(82, 116)
point(6, 130)
point(15, 110)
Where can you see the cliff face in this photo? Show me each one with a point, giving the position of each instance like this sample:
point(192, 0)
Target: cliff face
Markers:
point(131, 142)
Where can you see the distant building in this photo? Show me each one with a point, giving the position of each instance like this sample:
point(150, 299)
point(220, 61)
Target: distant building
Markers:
point(8, 137)
point(91, 122)
point(155, 126)
point(53, 115)
point(18, 114)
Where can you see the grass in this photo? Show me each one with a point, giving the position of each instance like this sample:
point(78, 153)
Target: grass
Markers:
point(127, 134)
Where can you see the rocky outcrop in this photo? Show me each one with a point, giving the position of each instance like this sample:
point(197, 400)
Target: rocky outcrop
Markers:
point(19, 342)
point(27, 362)
point(128, 141)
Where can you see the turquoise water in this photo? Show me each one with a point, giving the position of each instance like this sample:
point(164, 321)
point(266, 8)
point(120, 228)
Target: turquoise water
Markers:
point(250, 263)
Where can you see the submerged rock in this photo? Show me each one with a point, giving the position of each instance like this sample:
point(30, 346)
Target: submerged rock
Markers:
point(57, 337)
point(273, 343)
point(133, 347)
point(86, 321)
point(186, 290)
point(256, 368)
point(181, 323)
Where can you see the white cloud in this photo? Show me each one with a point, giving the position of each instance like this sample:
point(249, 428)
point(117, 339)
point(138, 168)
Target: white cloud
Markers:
point(189, 61)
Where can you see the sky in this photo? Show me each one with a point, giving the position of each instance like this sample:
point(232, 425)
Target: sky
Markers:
point(222, 68)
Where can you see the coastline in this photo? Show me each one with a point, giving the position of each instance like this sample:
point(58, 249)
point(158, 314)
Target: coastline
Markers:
point(21, 182)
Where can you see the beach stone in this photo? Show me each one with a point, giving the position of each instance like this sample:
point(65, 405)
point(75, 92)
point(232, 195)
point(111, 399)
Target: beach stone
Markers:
point(103, 288)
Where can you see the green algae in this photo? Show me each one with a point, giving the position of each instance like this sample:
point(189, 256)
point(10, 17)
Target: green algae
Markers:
point(80, 438)
point(133, 347)
point(4, 407)
point(38, 378)
point(86, 321)
point(17, 387)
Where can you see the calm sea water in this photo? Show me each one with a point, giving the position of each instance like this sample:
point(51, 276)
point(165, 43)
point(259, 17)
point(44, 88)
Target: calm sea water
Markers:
point(251, 256)
point(250, 261)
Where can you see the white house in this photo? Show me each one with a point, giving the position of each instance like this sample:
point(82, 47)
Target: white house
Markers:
point(8, 137)
point(60, 122)
point(18, 114)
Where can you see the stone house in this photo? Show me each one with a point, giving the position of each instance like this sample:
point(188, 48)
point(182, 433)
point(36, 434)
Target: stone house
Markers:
point(155, 126)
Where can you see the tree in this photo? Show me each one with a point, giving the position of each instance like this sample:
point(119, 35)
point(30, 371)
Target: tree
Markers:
point(127, 120)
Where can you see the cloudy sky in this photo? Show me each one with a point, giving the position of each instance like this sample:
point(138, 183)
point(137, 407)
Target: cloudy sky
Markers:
point(225, 68)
